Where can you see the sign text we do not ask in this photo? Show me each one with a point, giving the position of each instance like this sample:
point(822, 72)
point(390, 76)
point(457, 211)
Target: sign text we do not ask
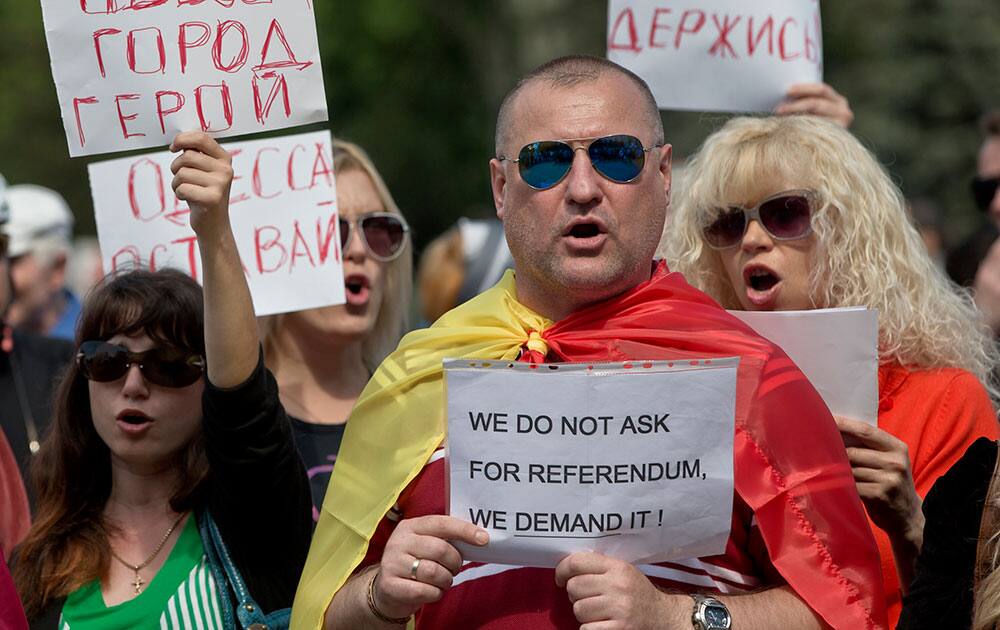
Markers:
point(632, 460)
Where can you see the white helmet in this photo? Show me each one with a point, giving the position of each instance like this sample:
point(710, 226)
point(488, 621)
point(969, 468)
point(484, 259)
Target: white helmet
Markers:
point(39, 221)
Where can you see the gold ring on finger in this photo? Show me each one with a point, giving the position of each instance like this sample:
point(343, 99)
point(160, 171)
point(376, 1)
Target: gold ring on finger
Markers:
point(414, 567)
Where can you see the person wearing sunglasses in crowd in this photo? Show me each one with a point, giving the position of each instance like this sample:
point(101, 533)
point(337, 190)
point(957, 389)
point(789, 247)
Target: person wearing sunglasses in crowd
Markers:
point(580, 180)
point(170, 492)
point(787, 213)
point(322, 357)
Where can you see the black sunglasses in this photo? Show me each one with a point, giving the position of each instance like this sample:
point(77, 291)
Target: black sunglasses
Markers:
point(4, 244)
point(544, 164)
point(104, 362)
point(983, 190)
point(382, 234)
point(785, 216)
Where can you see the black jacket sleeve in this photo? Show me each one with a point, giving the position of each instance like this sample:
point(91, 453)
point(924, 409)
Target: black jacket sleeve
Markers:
point(941, 594)
point(258, 492)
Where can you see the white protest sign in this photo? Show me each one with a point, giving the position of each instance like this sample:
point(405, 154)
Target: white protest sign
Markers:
point(132, 73)
point(718, 55)
point(837, 350)
point(631, 460)
point(283, 211)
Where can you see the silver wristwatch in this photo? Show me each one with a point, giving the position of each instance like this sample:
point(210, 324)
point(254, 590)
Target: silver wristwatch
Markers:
point(710, 614)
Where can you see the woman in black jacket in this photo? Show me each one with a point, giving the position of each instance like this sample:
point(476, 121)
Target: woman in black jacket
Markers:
point(170, 493)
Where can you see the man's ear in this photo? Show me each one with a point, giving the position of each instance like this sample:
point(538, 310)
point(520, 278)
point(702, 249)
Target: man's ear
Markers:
point(498, 182)
point(666, 155)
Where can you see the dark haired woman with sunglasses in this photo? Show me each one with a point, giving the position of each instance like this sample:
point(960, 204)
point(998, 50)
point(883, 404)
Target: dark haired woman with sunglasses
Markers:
point(323, 357)
point(170, 494)
point(794, 213)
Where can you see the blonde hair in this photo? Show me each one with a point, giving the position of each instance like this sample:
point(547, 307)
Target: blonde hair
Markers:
point(393, 315)
point(867, 251)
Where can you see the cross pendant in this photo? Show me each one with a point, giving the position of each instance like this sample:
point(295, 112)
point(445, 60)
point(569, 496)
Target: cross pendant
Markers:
point(138, 583)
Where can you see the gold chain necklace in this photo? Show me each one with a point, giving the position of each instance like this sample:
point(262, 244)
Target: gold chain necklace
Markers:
point(139, 583)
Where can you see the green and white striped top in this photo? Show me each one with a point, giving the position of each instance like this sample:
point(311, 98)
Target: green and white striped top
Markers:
point(182, 595)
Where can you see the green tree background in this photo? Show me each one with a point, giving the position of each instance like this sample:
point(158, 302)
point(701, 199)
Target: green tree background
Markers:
point(418, 82)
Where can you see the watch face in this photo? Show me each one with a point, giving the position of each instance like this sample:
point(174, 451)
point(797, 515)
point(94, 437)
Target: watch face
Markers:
point(716, 616)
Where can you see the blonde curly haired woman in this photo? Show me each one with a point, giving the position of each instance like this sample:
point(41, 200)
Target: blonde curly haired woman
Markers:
point(787, 213)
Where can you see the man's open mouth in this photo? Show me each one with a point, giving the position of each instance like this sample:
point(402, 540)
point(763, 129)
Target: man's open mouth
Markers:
point(585, 230)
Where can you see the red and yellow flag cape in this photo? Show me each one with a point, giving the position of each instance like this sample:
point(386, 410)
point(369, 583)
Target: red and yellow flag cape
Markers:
point(790, 464)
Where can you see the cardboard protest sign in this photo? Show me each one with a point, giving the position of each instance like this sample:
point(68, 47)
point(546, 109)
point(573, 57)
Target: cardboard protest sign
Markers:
point(283, 211)
point(837, 350)
point(631, 460)
point(132, 73)
point(718, 55)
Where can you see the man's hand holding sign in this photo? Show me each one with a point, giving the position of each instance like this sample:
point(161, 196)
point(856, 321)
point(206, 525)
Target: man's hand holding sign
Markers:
point(605, 589)
point(420, 561)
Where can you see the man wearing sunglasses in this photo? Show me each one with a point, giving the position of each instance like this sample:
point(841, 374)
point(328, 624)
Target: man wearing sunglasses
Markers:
point(581, 181)
point(976, 262)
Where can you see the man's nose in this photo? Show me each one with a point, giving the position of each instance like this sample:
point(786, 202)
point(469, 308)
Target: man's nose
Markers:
point(582, 185)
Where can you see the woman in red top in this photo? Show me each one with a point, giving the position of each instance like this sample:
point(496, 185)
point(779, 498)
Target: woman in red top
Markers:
point(794, 213)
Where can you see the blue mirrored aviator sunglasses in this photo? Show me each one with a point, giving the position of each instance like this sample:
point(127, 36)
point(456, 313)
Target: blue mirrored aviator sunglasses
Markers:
point(544, 164)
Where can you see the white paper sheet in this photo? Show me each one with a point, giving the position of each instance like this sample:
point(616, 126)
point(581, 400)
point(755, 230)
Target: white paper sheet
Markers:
point(718, 55)
point(132, 73)
point(837, 350)
point(283, 211)
point(551, 459)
